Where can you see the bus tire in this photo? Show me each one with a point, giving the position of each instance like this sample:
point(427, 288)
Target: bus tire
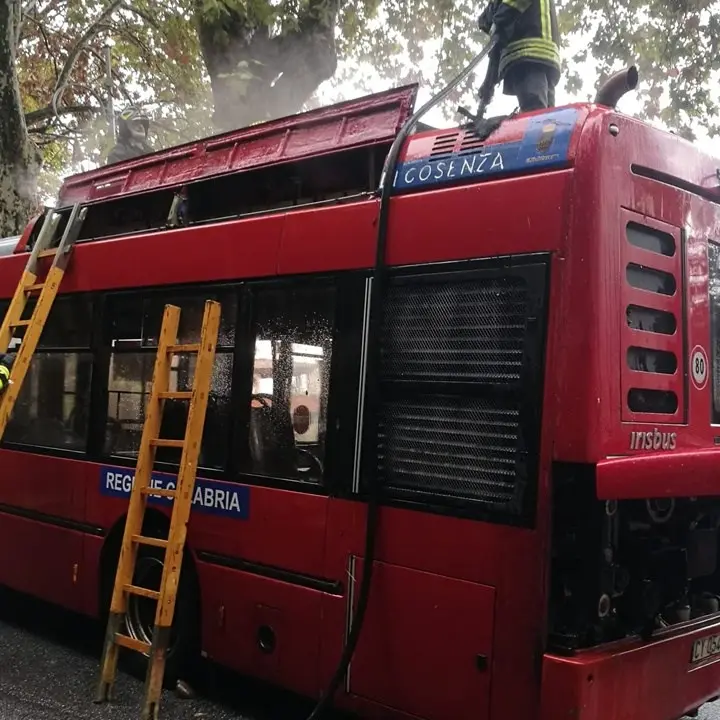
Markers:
point(184, 649)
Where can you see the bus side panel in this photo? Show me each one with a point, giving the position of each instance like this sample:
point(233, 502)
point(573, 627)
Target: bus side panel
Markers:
point(245, 616)
point(283, 529)
point(42, 560)
point(42, 506)
point(89, 577)
point(470, 556)
point(479, 219)
point(50, 487)
point(417, 622)
point(280, 528)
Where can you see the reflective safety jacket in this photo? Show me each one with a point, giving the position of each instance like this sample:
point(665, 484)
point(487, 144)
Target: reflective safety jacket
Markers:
point(531, 30)
point(6, 363)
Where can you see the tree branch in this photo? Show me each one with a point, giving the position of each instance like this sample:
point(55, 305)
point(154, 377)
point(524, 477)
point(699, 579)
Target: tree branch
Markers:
point(92, 30)
point(46, 42)
point(149, 19)
point(116, 76)
point(47, 113)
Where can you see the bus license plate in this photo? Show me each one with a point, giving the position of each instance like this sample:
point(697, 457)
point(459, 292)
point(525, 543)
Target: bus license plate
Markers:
point(704, 648)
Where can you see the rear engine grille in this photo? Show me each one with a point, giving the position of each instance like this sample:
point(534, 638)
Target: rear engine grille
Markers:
point(449, 445)
point(461, 380)
point(471, 331)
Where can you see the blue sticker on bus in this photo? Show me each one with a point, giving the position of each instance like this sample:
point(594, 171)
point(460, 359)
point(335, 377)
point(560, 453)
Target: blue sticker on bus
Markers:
point(545, 144)
point(210, 496)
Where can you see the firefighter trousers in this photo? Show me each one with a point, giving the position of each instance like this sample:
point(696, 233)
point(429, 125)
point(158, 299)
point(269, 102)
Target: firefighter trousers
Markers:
point(530, 83)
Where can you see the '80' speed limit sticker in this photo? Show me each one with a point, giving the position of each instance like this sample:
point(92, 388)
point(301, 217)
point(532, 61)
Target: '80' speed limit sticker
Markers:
point(699, 367)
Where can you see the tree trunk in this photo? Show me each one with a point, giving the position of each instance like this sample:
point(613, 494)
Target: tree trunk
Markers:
point(19, 158)
point(258, 76)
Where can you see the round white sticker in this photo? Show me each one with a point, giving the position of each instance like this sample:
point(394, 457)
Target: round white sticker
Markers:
point(699, 367)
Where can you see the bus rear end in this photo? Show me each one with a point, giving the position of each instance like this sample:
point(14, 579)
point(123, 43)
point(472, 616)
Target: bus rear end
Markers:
point(634, 579)
point(591, 438)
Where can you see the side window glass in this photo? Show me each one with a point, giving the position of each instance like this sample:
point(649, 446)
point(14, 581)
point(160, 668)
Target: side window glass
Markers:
point(135, 320)
point(53, 406)
point(135, 327)
point(291, 375)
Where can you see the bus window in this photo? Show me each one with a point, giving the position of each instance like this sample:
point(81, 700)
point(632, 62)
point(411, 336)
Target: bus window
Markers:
point(291, 375)
point(53, 405)
point(135, 323)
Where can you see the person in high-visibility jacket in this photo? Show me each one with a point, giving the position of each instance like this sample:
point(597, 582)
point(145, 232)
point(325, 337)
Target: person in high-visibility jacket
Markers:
point(528, 43)
point(6, 363)
point(133, 126)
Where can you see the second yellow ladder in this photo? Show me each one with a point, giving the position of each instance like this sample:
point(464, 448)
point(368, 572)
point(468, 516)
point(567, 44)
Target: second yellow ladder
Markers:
point(182, 500)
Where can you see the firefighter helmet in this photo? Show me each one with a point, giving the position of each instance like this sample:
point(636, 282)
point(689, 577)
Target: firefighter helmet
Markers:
point(133, 123)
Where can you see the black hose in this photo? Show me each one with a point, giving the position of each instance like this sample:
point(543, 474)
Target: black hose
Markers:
point(373, 361)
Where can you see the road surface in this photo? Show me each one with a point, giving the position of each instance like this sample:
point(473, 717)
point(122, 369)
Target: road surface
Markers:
point(49, 671)
point(49, 668)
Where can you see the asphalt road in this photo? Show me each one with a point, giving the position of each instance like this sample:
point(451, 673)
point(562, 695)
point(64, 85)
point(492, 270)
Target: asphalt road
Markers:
point(49, 667)
point(49, 670)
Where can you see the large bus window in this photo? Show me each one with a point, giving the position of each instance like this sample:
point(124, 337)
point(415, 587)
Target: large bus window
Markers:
point(53, 405)
point(134, 327)
point(291, 373)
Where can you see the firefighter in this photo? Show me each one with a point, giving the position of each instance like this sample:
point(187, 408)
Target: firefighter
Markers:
point(528, 42)
point(6, 363)
point(132, 133)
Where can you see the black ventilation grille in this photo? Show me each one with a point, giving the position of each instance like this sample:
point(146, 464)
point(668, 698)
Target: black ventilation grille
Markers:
point(444, 144)
point(461, 388)
point(456, 142)
point(472, 331)
point(477, 439)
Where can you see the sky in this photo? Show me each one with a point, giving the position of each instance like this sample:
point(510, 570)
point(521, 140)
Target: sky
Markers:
point(331, 91)
point(338, 89)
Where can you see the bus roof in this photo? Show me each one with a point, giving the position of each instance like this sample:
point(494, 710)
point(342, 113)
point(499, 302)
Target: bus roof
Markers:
point(356, 123)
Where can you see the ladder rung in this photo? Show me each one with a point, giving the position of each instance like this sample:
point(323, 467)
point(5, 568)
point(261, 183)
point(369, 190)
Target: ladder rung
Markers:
point(162, 442)
point(192, 348)
point(162, 492)
point(155, 542)
point(131, 643)
point(20, 323)
point(47, 253)
point(175, 395)
point(142, 592)
point(35, 288)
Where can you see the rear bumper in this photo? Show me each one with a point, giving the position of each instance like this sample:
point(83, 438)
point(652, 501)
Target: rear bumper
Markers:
point(653, 680)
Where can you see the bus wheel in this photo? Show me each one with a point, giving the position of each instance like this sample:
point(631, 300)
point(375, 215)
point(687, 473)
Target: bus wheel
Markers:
point(184, 648)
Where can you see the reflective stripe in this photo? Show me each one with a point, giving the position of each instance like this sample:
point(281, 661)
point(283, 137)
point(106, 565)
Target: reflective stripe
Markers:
point(519, 5)
point(531, 48)
point(5, 372)
point(528, 42)
point(545, 19)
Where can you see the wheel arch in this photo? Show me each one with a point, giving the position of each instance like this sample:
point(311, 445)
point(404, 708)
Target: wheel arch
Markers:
point(155, 524)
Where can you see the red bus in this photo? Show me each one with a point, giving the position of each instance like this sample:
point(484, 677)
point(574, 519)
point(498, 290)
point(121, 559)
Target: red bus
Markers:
point(547, 422)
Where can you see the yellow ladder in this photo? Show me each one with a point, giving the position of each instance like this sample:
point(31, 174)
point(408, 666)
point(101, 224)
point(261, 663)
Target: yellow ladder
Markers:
point(28, 287)
point(182, 496)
